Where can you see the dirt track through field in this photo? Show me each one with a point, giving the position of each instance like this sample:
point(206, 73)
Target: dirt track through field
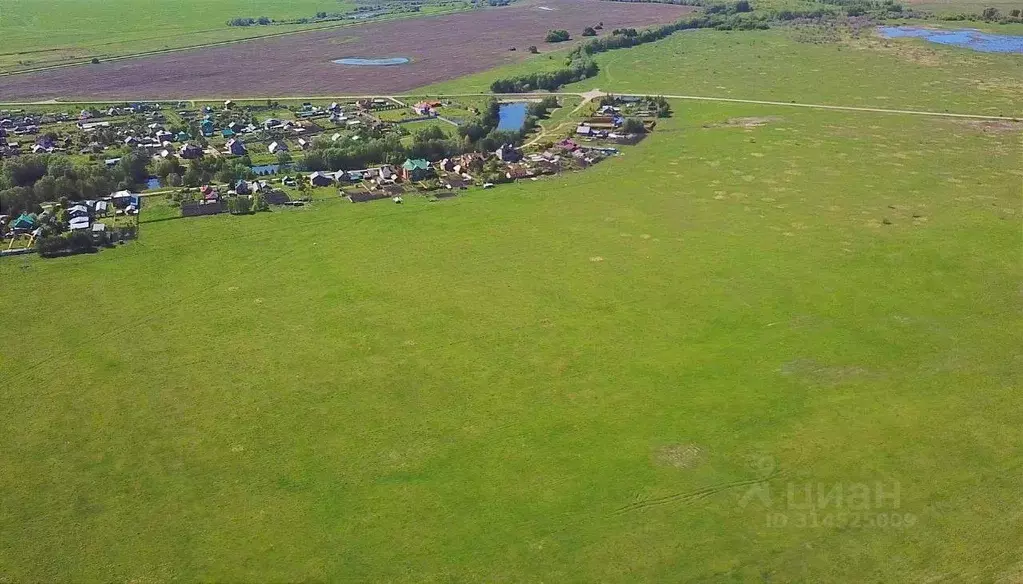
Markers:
point(440, 47)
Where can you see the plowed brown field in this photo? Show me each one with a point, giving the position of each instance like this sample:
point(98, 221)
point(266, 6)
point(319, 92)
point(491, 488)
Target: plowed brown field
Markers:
point(441, 48)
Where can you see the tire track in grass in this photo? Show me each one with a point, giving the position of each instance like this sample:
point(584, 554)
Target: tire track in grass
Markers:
point(689, 497)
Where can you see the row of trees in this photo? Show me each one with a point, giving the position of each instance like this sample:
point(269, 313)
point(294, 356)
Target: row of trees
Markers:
point(262, 20)
point(989, 14)
point(877, 8)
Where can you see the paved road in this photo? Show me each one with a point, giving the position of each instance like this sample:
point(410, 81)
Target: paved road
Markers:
point(586, 97)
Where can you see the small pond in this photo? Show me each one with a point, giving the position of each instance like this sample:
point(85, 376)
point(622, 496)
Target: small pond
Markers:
point(152, 183)
point(512, 116)
point(966, 38)
point(359, 62)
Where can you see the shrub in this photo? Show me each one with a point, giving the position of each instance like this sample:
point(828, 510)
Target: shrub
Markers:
point(557, 36)
point(259, 203)
point(589, 32)
point(240, 205)
point(633, 126)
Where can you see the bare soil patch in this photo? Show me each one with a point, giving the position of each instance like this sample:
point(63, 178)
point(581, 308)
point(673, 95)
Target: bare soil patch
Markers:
point(997, 126)
point(816, 373)
point(440, 48)
point(678, 455)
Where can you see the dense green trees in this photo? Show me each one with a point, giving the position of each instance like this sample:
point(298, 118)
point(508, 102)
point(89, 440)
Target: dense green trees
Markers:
point(30, 179)
point(557, 36)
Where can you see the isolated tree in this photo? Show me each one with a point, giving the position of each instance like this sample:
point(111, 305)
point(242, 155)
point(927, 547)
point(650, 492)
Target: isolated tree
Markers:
point(534, 50)
point(633, 126)
point(589, 32)
point(990, 13)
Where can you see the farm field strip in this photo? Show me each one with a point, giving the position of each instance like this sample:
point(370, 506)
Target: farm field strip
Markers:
point(302, 63)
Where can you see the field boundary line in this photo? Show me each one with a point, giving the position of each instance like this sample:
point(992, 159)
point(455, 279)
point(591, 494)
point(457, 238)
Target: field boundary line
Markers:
point(850, 108)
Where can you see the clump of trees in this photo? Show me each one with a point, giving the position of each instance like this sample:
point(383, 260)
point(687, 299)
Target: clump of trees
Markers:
point(633, 126)
point(262, 20)
point(30, 179)
point(557, 36)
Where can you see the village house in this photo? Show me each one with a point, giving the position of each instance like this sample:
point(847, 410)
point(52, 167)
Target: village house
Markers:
point(508, 153)
point(415, 169)
point(321, 179)
point(190, 152)
point(235, 147)
point(276, 147)
point(386, 174)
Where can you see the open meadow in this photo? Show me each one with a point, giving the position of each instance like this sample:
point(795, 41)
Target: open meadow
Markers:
point(590, 378)
point(805, 64)
point(766, 343)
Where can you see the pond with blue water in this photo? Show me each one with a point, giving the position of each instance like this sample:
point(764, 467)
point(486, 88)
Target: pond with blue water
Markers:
point(966, 38)
point(383, 62)
point(512, 116)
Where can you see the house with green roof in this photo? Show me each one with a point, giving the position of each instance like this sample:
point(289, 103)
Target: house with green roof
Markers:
point(415, 169)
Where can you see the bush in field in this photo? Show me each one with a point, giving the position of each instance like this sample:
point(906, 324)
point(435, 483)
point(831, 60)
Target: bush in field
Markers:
point(239, 205)
point(259, 203)
point(557, 36)
point(589, 32)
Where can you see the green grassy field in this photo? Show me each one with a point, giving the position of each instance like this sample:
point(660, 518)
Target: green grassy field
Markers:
point(802, 65)
point(39, 33)
point(572, 380)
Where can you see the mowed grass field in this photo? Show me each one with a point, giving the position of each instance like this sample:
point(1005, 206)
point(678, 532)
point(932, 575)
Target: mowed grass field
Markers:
point(570, 380)
point(45, 32)
point(807, 65)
